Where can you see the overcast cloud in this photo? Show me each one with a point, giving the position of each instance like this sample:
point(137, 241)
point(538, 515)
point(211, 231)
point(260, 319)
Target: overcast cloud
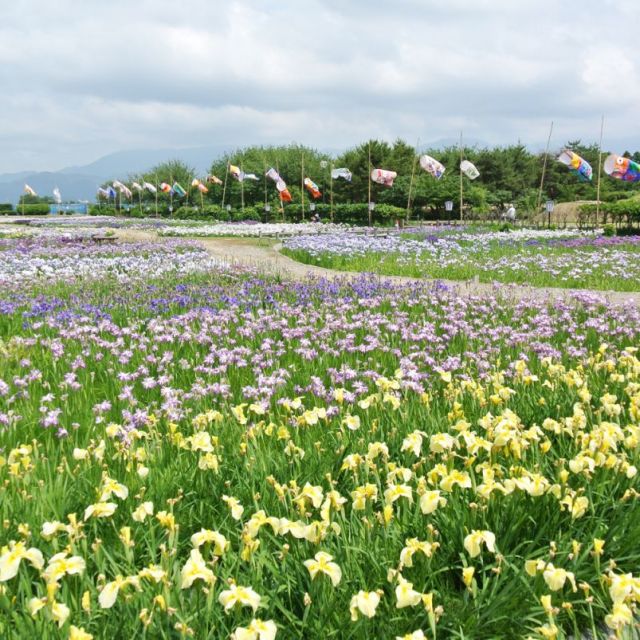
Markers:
point(83, 78)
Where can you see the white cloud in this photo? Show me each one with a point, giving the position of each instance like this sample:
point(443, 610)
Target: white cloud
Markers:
point(81, 79)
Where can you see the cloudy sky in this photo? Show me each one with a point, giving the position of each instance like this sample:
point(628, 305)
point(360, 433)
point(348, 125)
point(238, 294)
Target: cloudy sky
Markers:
point(83, 78)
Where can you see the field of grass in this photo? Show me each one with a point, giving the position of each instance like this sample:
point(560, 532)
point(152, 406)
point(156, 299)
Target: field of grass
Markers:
point(213, 453)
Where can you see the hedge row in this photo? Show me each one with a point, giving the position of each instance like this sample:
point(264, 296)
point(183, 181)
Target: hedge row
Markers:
point(347, 213)
point(41, 209)
point(622, 211)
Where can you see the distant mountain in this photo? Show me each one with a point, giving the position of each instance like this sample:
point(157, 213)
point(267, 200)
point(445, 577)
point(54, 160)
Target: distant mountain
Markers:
point(123, 163)
point(72, 186)
point(81, 182)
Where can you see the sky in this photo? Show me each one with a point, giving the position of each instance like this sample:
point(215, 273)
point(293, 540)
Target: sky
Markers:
point(83, 78)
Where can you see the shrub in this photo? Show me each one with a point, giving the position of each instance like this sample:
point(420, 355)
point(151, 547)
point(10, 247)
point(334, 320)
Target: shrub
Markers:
point(609, 230)
point(6, 208)
point(41, 209)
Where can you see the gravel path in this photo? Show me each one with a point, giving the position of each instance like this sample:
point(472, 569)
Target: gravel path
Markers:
point(264, 255)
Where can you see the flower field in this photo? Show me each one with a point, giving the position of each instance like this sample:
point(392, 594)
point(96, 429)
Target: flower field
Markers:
point(193, 450)
point(540, 258)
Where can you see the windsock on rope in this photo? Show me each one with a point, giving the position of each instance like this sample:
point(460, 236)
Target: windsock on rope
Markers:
point(236, 172)
point(178, 190)
point(214, 180)
point(122, 188)
point(251, 176)
point(577, 165)
point(29, 191)
point(341, 172)
point(136, 187)
point(469, 169)
point(622, 168)
point(432, 166)
point(150, 187)
point(104, 193)
point(165, 187)
point(312, 188)
point(202, 188)
point(382, 176)
point(281, 185)
point(57, 196)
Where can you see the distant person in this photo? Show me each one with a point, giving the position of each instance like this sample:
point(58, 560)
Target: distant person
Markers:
point(511, 213)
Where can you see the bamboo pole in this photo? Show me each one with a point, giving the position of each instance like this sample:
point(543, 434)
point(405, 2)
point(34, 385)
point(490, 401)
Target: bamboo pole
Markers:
point(264, 176)
point(302, 183)
point(369, 190)
point(599, 170)
point(461, 182)
point(544, 169)
point(413, 173)
point(224, 188)
point(242, 184)
point(279, 194)
point(156, 194)
point(331, 190)
point(171, 196)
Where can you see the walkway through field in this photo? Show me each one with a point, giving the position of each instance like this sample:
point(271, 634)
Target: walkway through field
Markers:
point(263, 254)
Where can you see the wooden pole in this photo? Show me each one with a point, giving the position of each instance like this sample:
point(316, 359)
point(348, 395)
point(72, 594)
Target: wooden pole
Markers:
point(599, 170)
point(171, 196)
point(242, 184)
point(264, 172)
point(544, 169)
point(279, 196)
point(413, 173)
point(302, 183)
point(461, 181)
point(369, 190)
point(224, 188)
point(331, 190)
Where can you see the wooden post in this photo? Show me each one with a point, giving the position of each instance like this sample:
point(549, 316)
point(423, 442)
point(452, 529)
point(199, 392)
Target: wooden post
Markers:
point(544, 169)
point(599, 171)
point(369, 190)
point(331, 190)
point(264, 172)
point(156, 194)
point(413, 173)
point(302, 183)
point(171, 196)
point(224, 188)
point(242, 184)
point(279, 196)
point(461, 182)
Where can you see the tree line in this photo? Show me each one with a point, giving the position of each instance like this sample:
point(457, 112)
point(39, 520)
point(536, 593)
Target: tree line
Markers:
point(508, 175)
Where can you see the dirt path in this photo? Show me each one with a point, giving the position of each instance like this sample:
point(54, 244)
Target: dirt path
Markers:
point(265, 256)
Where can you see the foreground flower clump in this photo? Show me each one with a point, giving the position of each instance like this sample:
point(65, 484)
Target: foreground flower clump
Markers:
point(216, 454)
